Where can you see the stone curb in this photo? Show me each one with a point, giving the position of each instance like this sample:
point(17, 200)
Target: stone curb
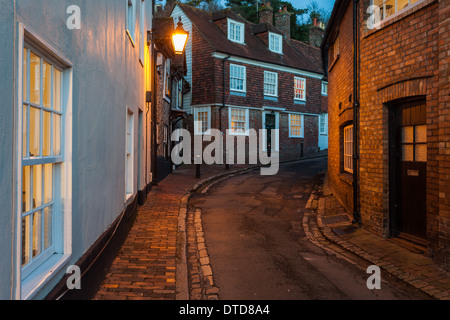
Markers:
point(182, 283)
point(388, 267)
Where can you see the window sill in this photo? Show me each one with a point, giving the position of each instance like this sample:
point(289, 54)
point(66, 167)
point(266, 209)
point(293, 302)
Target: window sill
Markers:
point(246, 134)
point(296, 137)
point(298, 101)
point(131, 39)
point(346, 177)
point(272, 98)
point(238, 93)
point(33, 283)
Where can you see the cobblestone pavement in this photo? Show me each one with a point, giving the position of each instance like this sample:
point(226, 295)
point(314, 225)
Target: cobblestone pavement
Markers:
point(330, 227)
point(167, 235)
point(146, 264)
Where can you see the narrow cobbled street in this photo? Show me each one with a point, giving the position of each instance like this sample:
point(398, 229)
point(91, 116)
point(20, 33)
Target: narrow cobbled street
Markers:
point(258, 249)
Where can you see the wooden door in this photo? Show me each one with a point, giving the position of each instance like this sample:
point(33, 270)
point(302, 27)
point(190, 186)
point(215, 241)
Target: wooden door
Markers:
point(411, 168)
point(270, 125)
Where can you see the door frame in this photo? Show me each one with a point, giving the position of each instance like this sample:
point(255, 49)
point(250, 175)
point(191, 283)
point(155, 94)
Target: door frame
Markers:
point(277, 127)
point(393, 108)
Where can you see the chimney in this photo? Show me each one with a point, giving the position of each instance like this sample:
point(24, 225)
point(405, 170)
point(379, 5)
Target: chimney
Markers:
point(316, 33)
point(266, 14)
point(283, 21)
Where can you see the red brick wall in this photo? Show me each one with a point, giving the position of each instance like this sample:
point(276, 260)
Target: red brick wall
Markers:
point(407, 57)
point(340, 111)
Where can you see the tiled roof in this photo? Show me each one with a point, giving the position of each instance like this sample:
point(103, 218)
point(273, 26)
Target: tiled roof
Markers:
point(295, 53)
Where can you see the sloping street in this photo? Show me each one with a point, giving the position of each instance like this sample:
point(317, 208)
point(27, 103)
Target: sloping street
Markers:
point(258, 249)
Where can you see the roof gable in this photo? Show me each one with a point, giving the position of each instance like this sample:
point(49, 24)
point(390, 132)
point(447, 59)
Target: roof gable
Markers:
point(295, 54)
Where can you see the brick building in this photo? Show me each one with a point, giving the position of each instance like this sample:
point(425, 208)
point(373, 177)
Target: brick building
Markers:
point(250, 76)
point(389, 118)
point(170, 88)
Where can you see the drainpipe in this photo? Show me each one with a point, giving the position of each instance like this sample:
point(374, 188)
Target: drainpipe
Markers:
point(227, 166)
point(356, 213)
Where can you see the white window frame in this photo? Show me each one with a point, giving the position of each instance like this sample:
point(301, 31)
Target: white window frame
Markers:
point(302, 125)
point(324, 88)
point(275, 39)
point(198, 129)
point(233, 24)
point(348, 148)
point(27, 285)
point(167, 78)
point(131, 20)
point(297, 88)
point(323, 124)
point(142, 35)
point(396, 11)
point(267, 75)
point(129, 155)
point(246, 122)
point(234, 76)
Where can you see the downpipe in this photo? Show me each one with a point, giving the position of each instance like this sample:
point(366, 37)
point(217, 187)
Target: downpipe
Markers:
point(356, 213)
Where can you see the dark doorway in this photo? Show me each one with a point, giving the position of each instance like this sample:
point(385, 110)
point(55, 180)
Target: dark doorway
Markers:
point(270, 125)
point(408, 147)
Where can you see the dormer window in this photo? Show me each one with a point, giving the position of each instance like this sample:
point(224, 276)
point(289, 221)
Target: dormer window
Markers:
point(275, 42)
point(236, 31)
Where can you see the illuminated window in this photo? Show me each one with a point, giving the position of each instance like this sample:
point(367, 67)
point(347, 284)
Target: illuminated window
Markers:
point(239, 121)
point(296, 126)
point(202, 120)
point(299, 88)
point(42, 159)
point(348, 148)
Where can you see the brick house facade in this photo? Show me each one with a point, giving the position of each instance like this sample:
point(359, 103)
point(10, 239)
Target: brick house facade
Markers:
point(170, 88)
point(227, 78)
point(402, 120)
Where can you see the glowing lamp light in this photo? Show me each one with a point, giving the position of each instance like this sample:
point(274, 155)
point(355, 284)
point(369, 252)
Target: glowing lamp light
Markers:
point(179, 38)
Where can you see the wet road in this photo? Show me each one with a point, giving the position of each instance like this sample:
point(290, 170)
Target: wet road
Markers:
point(257, 253)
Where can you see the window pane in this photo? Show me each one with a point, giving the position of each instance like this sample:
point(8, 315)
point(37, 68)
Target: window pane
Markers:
point(47, 85)
point(37, 233)
point(389, 6)
point(26, 256)
point(37, 186)
point(421, 152)
point(56, 135)
point(47, 227)
point(408, 134)
point(25, 131)
point(57, 90)
point(35, 79)
point(421, 134)
point(26, 189)
point(25, 75)
point(46, 139)
point(401, 4)
point(48, 183)
point(407, 152)
point(35, 130)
